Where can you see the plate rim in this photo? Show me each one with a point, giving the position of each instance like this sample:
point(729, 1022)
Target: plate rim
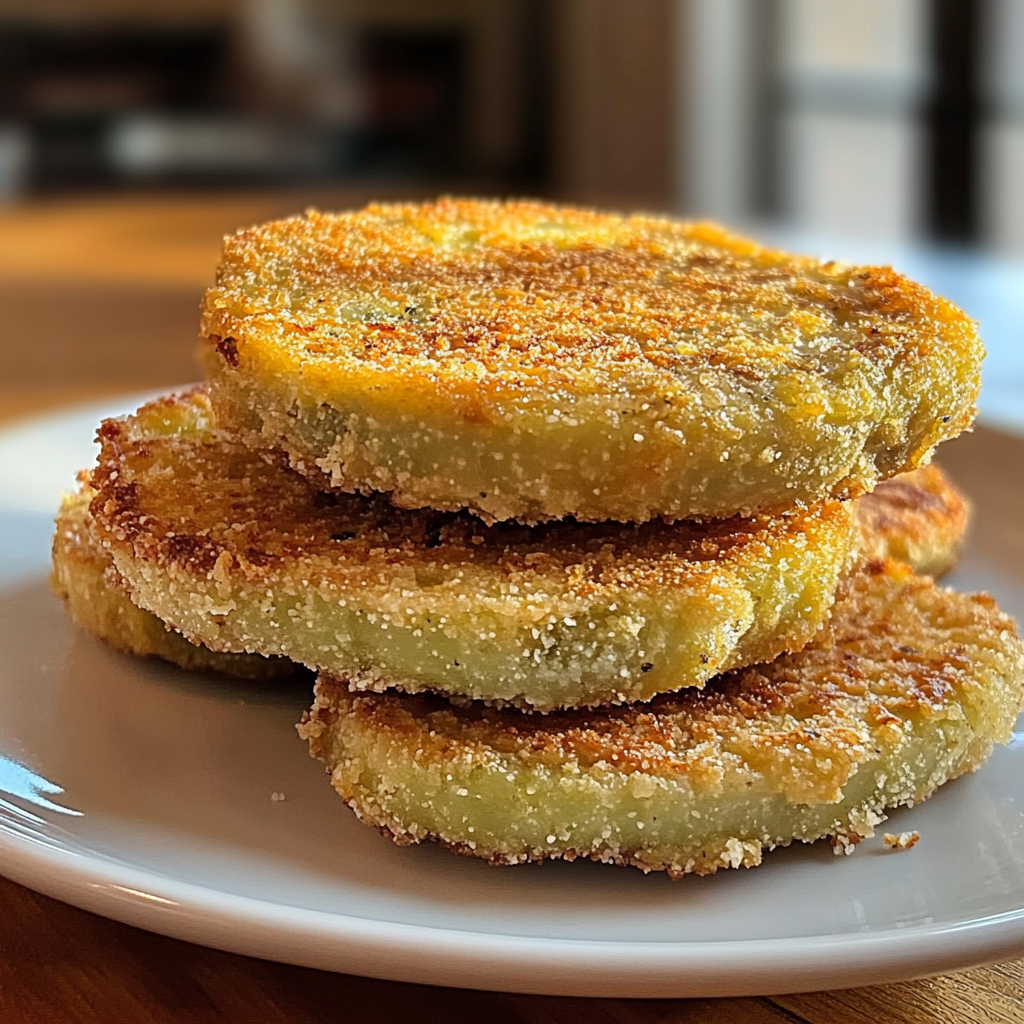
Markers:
point(461, 958)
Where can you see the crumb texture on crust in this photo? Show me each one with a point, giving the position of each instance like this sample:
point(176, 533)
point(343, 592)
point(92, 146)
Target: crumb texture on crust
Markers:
point(532, 361)
point(909, 685)
point(241, 553)
point(901, 840)
point(919, 518)
point(85, 580)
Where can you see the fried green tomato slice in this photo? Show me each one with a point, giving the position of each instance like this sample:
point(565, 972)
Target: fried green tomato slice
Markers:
point(528, 361)
point(908, 686)
point(920, 521)
point(918, 517)
point(84, 578)
point(238, 552)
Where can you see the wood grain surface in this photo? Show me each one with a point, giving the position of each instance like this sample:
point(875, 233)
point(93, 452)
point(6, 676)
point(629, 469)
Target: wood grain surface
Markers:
point(100, 298)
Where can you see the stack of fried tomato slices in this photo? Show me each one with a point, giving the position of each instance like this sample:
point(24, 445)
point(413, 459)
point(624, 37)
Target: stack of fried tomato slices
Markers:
point(605, 536)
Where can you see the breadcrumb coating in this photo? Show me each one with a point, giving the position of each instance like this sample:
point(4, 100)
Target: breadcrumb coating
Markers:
point(918, 517)
point(240, 553)
point(85, 580)
point(908, 686)
point(919, 520)
point(528, 361)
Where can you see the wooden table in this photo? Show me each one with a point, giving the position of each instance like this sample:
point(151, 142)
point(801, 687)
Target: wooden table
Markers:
point(101, 298)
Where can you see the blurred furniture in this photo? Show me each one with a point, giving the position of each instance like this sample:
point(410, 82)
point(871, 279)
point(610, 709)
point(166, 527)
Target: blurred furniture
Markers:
point(886, 119)
point(104, 95)
point(101, 298)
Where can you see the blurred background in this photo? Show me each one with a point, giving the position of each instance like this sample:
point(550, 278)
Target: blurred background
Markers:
point(133, 135)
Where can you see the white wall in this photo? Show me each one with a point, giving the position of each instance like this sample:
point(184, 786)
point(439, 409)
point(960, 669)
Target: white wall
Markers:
point(1003, 139)
point(715, 108)
point(853, 76)
point(853, 175)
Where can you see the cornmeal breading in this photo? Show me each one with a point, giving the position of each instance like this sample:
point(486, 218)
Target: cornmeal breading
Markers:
point(242, 554)
point(84, 579)
point(918, 517)
point(529, 361)
point(922, 526)
point(908, 686)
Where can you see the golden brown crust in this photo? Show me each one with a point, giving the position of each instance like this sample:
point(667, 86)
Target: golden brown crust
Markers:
point(85, 580)
point(256, 509)
point(622, 292)
point(918, 517)
point(909, 685)
point(239, 552)
point(703, 374)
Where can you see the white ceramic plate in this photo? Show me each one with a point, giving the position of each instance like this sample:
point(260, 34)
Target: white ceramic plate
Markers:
point(144, 793)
